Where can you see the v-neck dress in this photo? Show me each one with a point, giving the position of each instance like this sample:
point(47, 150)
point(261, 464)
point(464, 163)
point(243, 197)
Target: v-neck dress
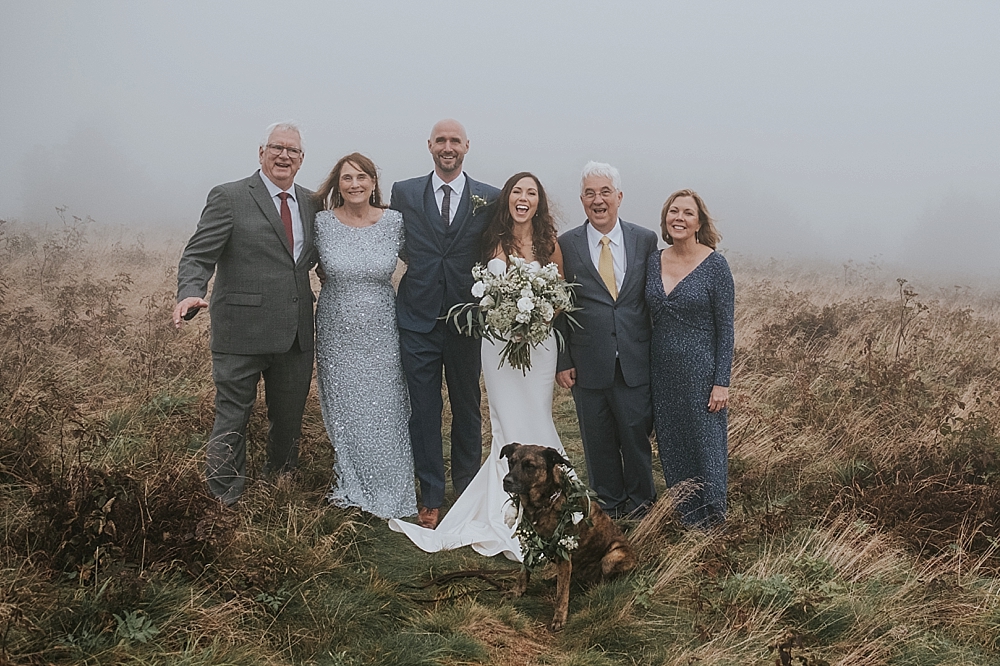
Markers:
point(690, 352)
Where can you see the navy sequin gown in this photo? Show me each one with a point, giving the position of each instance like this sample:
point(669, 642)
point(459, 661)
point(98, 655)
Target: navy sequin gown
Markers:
point(691, 351)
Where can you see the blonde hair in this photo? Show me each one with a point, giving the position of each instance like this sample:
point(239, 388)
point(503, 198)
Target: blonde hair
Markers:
point(707, 234)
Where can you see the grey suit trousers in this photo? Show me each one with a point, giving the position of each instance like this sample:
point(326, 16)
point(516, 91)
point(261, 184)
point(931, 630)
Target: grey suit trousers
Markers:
point(286, 385)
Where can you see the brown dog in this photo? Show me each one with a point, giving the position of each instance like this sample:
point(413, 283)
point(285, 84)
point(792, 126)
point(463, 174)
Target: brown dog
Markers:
point(602, 552)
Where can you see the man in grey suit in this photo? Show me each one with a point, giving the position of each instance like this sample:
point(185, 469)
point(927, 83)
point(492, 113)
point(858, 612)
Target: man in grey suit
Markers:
point(255, 235)
point(444, 217)
point(606, 360)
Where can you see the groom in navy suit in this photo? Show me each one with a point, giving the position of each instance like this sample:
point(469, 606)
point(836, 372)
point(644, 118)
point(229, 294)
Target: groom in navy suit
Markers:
point(444, 218)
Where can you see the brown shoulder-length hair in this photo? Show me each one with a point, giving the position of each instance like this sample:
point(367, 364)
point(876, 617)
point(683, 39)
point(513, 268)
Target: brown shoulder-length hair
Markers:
point(500, 229)
point(707, 234)
point(328, 195)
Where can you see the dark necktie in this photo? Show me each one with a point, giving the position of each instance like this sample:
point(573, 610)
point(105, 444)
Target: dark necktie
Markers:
point(286, 218)
point(446, 205)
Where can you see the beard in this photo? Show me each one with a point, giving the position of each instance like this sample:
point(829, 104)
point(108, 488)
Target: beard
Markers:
point(455, 163)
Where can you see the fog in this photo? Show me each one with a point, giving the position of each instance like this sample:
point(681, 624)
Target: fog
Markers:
point(849, 130)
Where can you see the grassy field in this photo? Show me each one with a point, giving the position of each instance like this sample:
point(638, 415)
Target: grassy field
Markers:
point(864, 495)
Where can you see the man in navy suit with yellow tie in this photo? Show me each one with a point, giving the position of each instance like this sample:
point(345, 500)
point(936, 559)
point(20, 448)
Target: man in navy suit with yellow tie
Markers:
point(606, 360)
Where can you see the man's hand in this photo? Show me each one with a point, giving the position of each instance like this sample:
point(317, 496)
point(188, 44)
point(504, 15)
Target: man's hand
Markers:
point(566, 378)
point(182, 308)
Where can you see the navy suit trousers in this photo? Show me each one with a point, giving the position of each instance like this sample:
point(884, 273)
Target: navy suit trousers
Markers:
point(424, 356)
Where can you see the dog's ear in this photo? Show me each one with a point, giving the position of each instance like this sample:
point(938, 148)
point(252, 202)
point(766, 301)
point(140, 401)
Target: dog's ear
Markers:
point(506, 451)
point(553, 458)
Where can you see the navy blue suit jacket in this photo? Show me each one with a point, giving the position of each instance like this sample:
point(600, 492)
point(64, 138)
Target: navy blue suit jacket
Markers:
point(439, 257)
point(610, 328)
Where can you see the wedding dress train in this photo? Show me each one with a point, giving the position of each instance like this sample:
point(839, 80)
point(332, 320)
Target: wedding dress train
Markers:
point(520, 411)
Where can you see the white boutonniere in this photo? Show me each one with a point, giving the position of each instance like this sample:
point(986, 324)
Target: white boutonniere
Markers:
point(478, 202)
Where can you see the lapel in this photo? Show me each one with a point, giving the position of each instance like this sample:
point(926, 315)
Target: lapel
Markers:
point(432, 214)
point(582, 246)
point(633, 269)
point(259, 193)
point(306, 215)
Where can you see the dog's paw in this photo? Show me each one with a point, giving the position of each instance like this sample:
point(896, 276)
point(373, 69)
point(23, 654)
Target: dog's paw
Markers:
point(517, 591)
point(557, 623)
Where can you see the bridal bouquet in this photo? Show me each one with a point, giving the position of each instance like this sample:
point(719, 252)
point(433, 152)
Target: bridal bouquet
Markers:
point(517, 305)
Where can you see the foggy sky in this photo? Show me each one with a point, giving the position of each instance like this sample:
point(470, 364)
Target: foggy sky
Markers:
point(844, 130)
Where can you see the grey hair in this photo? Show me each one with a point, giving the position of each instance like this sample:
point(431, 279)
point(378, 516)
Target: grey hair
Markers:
point(603, 169)
point(285, 126)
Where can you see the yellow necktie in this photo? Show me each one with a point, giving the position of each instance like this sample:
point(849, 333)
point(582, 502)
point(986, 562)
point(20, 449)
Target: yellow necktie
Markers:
point(606, 267)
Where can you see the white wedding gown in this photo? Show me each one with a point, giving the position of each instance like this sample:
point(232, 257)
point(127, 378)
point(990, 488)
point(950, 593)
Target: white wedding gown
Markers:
point(520, 411)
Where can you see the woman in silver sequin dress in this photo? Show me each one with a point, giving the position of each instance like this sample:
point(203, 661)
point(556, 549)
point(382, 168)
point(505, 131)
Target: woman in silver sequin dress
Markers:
point(361, 384)
point(520, 403)
point(689, 289)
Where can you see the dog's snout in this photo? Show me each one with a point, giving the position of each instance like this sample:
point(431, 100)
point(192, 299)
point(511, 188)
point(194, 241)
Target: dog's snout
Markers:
point(510, 484)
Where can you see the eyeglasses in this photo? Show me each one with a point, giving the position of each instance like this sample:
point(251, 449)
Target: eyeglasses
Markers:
point(275, 149)
point(590, 195)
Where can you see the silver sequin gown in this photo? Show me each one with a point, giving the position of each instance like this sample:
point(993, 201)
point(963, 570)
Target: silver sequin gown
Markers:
point(361, 384)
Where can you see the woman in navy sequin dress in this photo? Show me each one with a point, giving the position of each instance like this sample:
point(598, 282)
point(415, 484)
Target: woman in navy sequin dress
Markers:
point(689, 289)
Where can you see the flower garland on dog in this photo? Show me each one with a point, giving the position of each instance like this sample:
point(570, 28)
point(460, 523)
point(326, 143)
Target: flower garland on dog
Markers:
point(535, 548)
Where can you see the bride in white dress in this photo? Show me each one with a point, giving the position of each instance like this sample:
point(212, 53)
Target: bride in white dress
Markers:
point(520, 404)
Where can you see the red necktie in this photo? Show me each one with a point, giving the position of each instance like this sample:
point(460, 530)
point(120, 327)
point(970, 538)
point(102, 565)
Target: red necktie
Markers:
point(286, 218)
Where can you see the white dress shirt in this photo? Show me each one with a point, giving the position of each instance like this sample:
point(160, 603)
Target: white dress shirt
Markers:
point(457, 187)
point(293, 205)
point(617, 249)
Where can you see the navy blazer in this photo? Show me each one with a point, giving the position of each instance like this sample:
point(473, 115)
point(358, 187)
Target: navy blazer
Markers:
point(609, 328)
point(439, 258)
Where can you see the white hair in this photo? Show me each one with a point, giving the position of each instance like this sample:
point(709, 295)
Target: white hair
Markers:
point(602, 169)
point(285, 126)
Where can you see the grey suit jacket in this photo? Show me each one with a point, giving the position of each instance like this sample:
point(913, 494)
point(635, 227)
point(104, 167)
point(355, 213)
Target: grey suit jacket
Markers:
point(608, 326)
point(439, 257)
point(261, 298)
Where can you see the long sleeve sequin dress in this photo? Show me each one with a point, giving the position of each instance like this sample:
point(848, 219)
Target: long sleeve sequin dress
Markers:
point(691, 351)
point(360, 375)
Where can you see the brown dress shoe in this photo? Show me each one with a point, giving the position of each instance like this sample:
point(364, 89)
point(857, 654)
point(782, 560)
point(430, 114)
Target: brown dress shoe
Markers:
point(427, 517)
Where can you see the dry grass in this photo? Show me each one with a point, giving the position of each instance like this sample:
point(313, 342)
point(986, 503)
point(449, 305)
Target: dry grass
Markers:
point(865, 485)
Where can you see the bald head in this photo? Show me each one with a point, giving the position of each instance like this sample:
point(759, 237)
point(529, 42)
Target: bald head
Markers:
point(448, 145)
point(449, 125)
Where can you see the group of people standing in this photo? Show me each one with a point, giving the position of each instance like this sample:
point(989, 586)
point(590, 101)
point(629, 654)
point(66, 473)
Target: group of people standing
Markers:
point(653, 346)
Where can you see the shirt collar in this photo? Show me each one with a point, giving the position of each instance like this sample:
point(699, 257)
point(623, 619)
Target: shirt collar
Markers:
point(457, 186)
point(615, 235)
point(274, 190)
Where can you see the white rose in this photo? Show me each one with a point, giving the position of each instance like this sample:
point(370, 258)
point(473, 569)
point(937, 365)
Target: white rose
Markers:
point(478, 289)
point(522, 318)
point(525, 304)
point(497, 266)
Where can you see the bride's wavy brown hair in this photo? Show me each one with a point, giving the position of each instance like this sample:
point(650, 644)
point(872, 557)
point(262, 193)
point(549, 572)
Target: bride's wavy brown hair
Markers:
point(499, 231)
